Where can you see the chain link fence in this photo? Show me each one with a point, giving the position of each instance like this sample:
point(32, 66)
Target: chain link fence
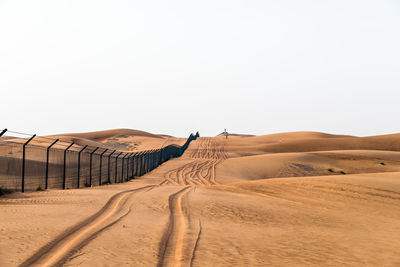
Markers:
point(40, 163)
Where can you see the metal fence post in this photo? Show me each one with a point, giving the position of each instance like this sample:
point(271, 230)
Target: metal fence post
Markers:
point(130, 162)
point(147, 161)
point(47, 163)
point(153, 159)
point(139, 164)
point(133, 164)
point(162, 155)
point(108, 171)
point(65, 163)
point(3, 132)
point(156, 154)
point(127, 166)
point(133, 169)
point(143, 164)
point(137, 170)
point(122, 167)
point(90, 167)
point(23, 163)
point(79, 165)
point(116, 167)
point(101, 161)
point(144, 161)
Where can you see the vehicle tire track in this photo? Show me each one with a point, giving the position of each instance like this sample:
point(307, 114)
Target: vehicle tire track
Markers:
point(171, 245)
point(58, 251)
point(196, 244)
point(206, 155)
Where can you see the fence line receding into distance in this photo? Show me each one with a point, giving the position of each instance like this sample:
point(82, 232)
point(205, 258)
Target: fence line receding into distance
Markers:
point(37, 163)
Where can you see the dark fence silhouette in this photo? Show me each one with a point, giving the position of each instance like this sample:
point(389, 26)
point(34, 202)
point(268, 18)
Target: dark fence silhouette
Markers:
point(40, 163)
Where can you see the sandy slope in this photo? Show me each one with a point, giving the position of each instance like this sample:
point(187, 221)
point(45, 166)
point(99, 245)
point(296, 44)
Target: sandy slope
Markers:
point(106, 134)
point(122, 139)
point(308, 141)
point(299, 164)
point(328, 221)
point(202, 210)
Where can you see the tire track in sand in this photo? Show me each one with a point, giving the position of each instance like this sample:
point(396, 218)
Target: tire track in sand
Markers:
point(60, 249)
point(206, 155)
point(173, 245)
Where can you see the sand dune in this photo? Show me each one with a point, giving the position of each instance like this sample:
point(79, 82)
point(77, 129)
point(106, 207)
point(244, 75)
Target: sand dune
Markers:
point(308, 164)
point(237, 134)
point(119, 139)
point(331, 221)
point(309, 141)
point(333, 201)
point(106, 134)
point(122, 139)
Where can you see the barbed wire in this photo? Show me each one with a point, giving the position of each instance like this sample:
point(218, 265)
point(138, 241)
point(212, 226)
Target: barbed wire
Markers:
point(9, 131)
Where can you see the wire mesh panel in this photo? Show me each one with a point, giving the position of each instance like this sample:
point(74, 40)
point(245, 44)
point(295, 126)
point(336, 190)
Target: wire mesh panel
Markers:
point(92, 167)
point(127, 174)
point(84, 169)
point(123, 170)
point(118, 170)
point(103, 170)
point(110, 170)
point(10, 165)
point(56, 163)
point(142, 164)
point(35, 167)
point(71, 169)
point(135, 166)
point(96, 170)
point(136, 161)
point(130, 168)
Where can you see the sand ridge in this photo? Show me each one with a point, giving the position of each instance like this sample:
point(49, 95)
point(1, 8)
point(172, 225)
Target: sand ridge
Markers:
point(122, 139)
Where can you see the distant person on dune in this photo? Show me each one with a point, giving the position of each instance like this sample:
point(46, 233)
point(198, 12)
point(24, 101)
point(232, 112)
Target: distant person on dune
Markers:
point(225, 133)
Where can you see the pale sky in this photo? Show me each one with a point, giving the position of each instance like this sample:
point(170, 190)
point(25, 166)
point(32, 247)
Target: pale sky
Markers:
point(175, 67)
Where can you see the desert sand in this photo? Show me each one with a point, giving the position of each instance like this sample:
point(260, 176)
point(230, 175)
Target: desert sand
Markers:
point(122, 139)
point(291, 199)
